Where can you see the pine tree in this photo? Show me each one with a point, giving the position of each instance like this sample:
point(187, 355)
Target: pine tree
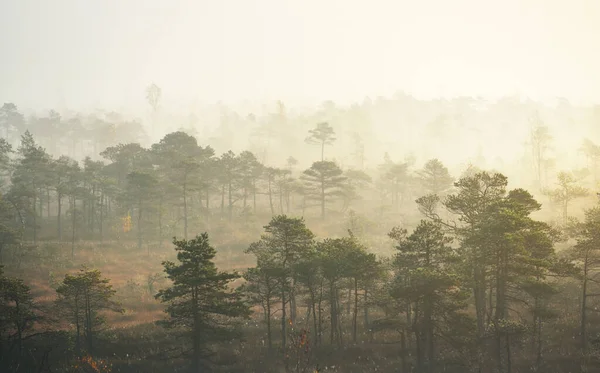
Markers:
point(285, 242)
point(81, 297)
point(261, 288)
point(29, 177)
point(323, 134)
point(324, 181)
point(140, 192)
point(199, 299)
point(435, 177)
point(17, 315)
point(427, 278)
point(587, 256)
point(567, 190)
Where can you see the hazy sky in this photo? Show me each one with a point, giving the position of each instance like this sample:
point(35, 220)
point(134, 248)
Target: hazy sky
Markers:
point(86, 53)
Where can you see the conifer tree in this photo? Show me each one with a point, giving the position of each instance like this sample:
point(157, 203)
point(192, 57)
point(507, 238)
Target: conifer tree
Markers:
point(324, 181)
point(285, 242)
point(199, 297)
point(81, 297)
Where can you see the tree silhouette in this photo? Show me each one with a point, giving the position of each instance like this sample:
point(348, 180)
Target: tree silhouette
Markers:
point(153, 96)
point(325, 182)
point(323, 134)
point(199, 296)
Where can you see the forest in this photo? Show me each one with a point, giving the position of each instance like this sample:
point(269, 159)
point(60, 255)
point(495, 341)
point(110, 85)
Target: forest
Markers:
point(393, 235)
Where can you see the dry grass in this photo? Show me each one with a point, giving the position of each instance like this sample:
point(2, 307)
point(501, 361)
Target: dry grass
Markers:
point(127, 267)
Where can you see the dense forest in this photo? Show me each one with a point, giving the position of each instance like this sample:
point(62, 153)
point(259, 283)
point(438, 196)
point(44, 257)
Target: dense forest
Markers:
point(394, 235)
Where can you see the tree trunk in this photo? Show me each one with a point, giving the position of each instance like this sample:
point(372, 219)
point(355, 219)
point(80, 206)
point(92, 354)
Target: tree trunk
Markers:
point(74, 216)
point(508, 359)
point(428, 326)
point(185, 213)
point(101, 227)
point(366, 310)
point(41, 203)
point(355, 318)
point(271, 197)
point(19, 329)
point(222, 199)
point(160, 225)
point(34, 220)
point(293, 308)
point(287, 200)
point(93, 211)
point(207, 199)
point(58, 217)
point(268, 319)
point(337, 319)
point(323, 199)
point(230, 208)
point(196, 333)
point(283, 319)
point(419, 347)
point(583, 326)
point(538, 332)
point(48, 202)
point(320, 308)
point(77, 328)
point(139, 226)
point(403, 354)
point(314, 312)
point(254, 195)
point(280, 199)
point(479, 294)
point(88, 324)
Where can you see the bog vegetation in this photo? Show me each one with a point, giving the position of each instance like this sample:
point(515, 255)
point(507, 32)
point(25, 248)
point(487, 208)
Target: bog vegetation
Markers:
point(122, 255)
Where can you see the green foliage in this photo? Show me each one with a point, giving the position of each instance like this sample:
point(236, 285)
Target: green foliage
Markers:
point(199, 301)
point(428, 280)
point(466, 286)
point(17, 312)
point(81, 297)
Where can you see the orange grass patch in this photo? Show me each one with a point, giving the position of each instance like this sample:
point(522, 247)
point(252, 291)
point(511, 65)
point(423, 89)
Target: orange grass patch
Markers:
point(123, 264)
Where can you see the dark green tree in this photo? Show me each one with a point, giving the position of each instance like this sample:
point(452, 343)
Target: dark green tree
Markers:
point(285, 242)
point(587, 257)
point(63, 169)
point(126, 158)
point(427, 279)
point(181, 162)
point(199, 300)
point(17, 316)
point(82, 296)
point(229, 176)
point(29, 178)
point(261, 288)
point(250, 172)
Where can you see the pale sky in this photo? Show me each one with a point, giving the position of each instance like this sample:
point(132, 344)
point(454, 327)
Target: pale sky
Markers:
point(103, 53)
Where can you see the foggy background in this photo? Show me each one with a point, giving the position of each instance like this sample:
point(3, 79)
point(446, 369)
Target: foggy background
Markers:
point(243, 56)
point(89, 54)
